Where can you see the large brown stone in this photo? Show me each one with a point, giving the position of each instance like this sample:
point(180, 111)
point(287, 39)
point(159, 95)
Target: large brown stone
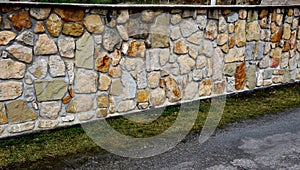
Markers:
point(6, 9)
point(102, 62)
point(276, 37)
point(18, 111)
point(11, 69)
point(93, 24)
point(180, 47)
point(69, 14)
point(20, 52)
point(240, 76)
point(136, 49)
point(73, 29)
point(20, 20)
point(6, 37)
point(3, 117)
point(173, 91)
point(143, 96)
point(45, 46)
point(54, 25)
point(10, 90)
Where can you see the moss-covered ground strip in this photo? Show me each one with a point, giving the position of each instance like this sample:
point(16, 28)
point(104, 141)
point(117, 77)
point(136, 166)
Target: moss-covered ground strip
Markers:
point(47, 147)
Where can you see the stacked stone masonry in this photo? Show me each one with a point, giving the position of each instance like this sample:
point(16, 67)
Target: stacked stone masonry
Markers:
point(60, 67)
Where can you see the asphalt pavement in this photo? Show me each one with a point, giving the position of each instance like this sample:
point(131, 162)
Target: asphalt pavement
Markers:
point(264, 143)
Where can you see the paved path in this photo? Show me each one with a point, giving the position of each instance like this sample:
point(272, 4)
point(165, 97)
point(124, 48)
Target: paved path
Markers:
point(268, 142)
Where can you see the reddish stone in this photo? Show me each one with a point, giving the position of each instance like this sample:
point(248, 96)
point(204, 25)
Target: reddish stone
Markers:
point(286, 46)
point(263, 13)
point(225, 12)
point(275, 62)
point(70, 15)
point(240, 76)
point(71, 92)
point(66, 99)
point(276, 37)
point(6, 9)
point(136, 49)
point(102, 63)
point(20, 20)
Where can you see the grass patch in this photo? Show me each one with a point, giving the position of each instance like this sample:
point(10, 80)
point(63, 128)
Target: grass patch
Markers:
point(41, 150)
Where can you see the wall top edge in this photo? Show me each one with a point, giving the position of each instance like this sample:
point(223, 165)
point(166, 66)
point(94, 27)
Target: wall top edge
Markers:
point(167, 6)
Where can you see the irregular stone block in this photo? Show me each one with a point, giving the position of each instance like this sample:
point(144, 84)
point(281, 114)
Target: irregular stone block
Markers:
point(73, 29)
point(123, 17)
point(196, 38)
point(110, 39)
point(160, 31)
point(39, 13)
point(205, 88)
point(137, 29)
point(153, 79)
point(126, 106)
point(26, 38)
point(251, 77)
point(39, 68)
point(173, 91)
point(6, 37)
point(66, 47)
point(186, 64)
point(129, 86)
point(103, 101)
point(116, 87)
point(45, 46)
point(70, 15)
point(20, 52)
point(85, 81)
point(54, 25)
point(50, 110)
point(219, 87)
point(93, 24)
point(240, 76)
point(190, 91)
point(123, 32)
point(188, 27)
point(11, 69)
point(104, 82)
point(48, 90)
point(181, 47)
point(136, 49)
point(57, 66)
point(85, 51)
point(240, 31)
point(102, 63)
point(18, 111)
point(10, 90)
point(20, 20)
point(81, 104)
point(158, 97)
point(18, 128)
point(143, 96)
point(47, 124)
point(252, 31)
point(211, 30)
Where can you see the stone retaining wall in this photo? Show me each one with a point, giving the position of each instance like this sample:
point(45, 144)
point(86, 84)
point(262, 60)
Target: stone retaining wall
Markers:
point(60, 67)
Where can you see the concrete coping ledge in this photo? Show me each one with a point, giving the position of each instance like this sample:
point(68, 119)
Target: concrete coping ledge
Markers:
point(164, 6)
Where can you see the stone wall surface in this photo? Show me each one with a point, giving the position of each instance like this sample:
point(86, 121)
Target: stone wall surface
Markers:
point(63, 66)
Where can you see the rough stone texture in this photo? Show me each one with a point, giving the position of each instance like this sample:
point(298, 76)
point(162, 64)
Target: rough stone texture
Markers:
point(126, 106)
point(50, 110)
point(152, 60)
point(153, 79)
point(47, 124)
point(57, 66)
point(207, 48)
point(11, 69)
point(26, 38)
point(205, 88)
point(190, 91)
point(102, 62)
point(39, 27)
point(240, 31)
point(187, 27)
point(186, 64)
point(73, 29)
point(18, 111)
point(235, 55)
point(39, 68)
point(44, 46)
point(276, 37)
point(222, 38)
point(222, 24)
point(18, 128)
point(143, 96)
point(136, 49)
point(20, 52)
point(6, 37)
point(196, 38)
point(54, 25)
point(123, 17)
point(102, 101)
point(158, 97)
point(39, 13)
point(173, 91)
point(20, 20)
point(66, 47)
point(286, 31)
point(219, 87)
point(102, 112)
point(129, 86)
point(251, 77)
point(10, 90)
point(70, 15)
point(229, 69)
point(93, 24)
point(85, 116)
point(116, 87)
point(217, 61)
point(123, 32)
point(211, 30)
point(233, 17)
point(47, 90)
point(137, 29)
point(240, 76)
point(104, 82)
point(82, 103)
point(3, 117)
point(252, 31)
point(110, 39)
point(85, 51)
point(181, 47)
point(160, 31)
point(85, 81)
